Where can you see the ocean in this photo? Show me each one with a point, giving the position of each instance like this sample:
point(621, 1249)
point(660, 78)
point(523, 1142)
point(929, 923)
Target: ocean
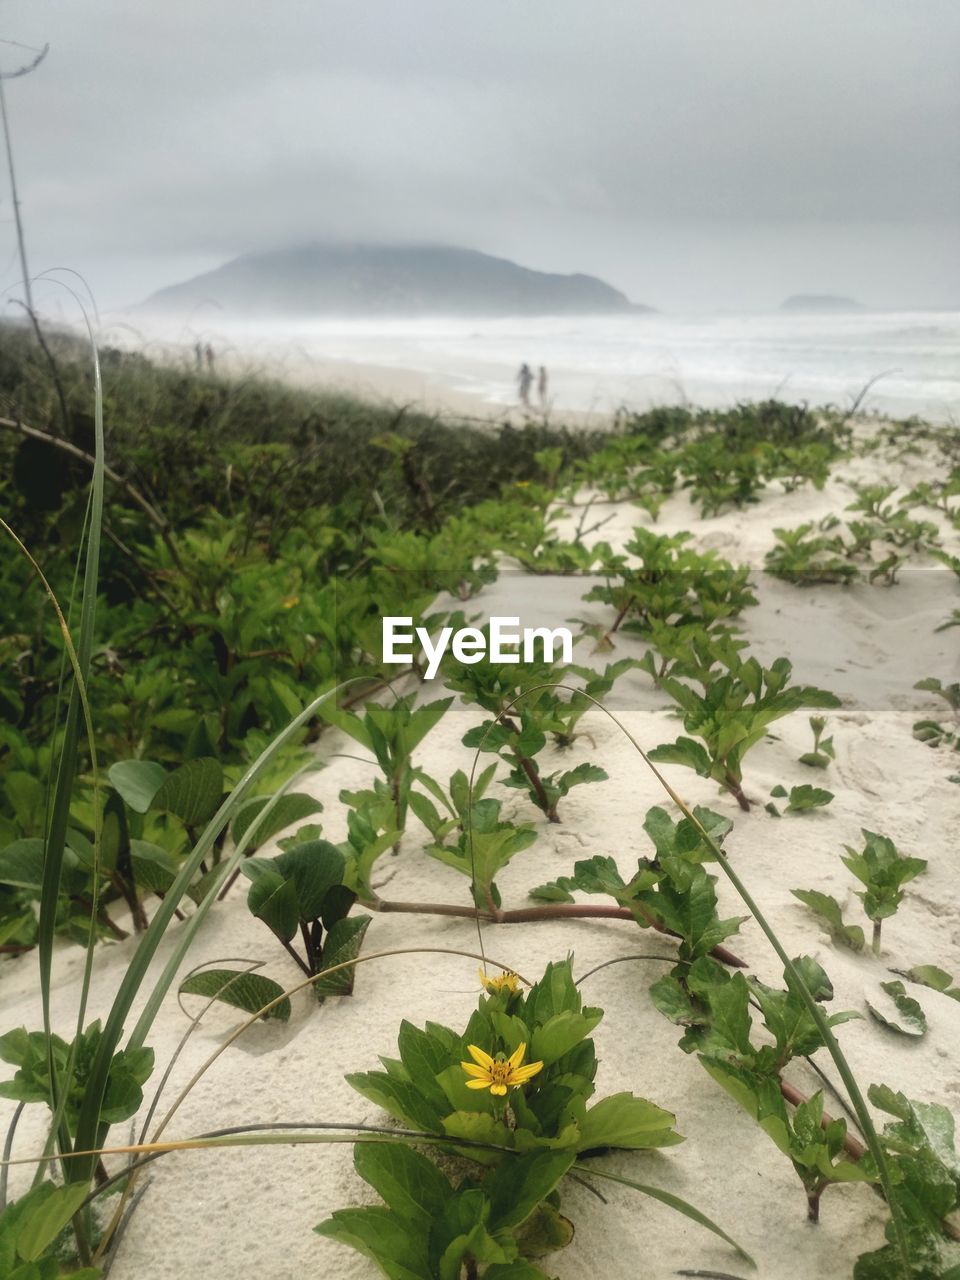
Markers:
point(601, 363)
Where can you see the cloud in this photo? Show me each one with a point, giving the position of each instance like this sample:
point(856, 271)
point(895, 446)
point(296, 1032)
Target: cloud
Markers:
point(636, 138)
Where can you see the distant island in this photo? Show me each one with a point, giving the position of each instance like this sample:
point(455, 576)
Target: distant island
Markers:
point(380, 280)
point(820, 302)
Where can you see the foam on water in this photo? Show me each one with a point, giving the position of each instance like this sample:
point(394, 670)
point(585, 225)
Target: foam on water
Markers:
point(603, 362)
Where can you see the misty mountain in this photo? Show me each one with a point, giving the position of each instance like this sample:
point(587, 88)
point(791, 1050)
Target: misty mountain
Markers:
point(820, 302)
point(380, 280)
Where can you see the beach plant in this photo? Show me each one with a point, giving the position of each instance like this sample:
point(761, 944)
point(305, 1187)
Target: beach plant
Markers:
point(883, 871)
point(920, 1151)
point(800, 799)
point(823, 751)
point(457, 558)
point(733, 714)
point(92, 1078)
point(391, 733)
point(370, 833)
point(894, 1009)
point(826, 908)
point(527, 708)
point(811, 554)
point(482, 844)
point(673, 585)
point(950, 693)
point(714, 1008)
point(932, 976)
point(932, 732)
point(300, 894)
point(512, 1095)
point(936, 494)
point(671, 891)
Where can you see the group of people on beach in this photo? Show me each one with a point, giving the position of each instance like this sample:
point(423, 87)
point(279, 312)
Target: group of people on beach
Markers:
point(525, 379)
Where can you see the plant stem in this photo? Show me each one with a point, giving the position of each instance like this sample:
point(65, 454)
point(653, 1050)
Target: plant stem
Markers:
point(736, 790)
point(524, 915)
point(813, 1202)
point(876, 937)
point(533, 775)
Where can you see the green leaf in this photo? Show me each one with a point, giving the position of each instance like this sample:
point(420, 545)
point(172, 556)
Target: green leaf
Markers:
point(274, 901)
point(193, 792)
point(290, 808)
point(828, 910)
point(247, 991)
point(398, 1248)
point(153, 867)
point(479, 1126)
point(341, 944)
point(314, 866)
point(517, 1185)
point(686, 752)
point(907, 1016)
point(928, 975)
point(560, 1033)
point(460, 1232)
point(21, 864)
point(553, 891)
point(410, 1184)
point(543, 1233)
point(621, 1120)
point(400, 1098)
point(422, 721)
point(806, 797)
point(43, 1222)
point(137, 782)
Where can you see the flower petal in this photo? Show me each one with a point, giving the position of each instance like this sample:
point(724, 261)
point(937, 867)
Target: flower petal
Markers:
point(472, 1069)
point(495, 1088)
point(482, 1084)
point(480, 1057)
point(517, 1056)
point(522, 1074)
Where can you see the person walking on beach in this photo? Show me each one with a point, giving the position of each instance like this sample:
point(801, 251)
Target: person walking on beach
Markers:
point(542, 387)
point(524, 383)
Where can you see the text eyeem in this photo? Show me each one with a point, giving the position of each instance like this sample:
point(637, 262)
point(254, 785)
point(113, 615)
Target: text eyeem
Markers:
point(503, 642)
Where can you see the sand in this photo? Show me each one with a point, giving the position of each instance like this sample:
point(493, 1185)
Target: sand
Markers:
point(250, 1212)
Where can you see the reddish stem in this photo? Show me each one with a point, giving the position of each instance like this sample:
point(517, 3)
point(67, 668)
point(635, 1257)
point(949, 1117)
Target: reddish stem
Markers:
point(524, 915)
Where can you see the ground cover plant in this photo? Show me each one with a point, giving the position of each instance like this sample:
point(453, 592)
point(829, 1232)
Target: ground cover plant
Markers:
point(740, 700)
point(212, 642)
point(517, 1082)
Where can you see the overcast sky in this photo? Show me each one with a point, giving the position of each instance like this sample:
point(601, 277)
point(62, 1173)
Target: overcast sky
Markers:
point(695, 153)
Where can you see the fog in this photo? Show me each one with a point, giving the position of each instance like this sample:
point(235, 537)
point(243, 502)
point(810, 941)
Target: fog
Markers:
point(697, 156)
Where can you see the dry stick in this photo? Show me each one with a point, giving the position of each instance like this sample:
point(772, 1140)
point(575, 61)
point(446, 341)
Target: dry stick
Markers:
point(150, 511)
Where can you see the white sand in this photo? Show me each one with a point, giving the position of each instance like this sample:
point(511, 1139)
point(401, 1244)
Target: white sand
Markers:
point(222, 1215)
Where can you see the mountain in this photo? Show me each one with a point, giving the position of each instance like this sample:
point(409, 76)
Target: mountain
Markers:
point(381, 280)
point(820, 302)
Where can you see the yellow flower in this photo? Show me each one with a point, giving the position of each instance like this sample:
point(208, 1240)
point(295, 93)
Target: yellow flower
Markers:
point(498, 1075)
point(506, 981)
point(290, 602)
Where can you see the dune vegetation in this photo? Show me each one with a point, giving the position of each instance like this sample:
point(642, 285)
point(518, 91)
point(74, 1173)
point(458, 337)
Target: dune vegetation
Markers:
point(193, 587)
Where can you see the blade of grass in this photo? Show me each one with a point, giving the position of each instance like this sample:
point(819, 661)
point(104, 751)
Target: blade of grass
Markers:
point(90, 1129)
point(677, 1203)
